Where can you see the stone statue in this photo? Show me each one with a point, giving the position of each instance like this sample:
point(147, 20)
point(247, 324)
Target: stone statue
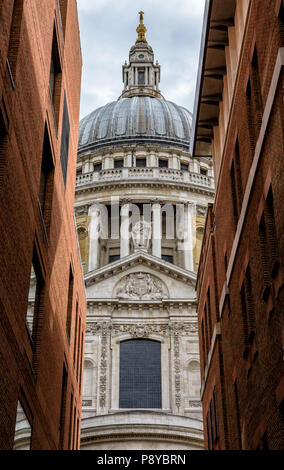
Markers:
point(141, 234)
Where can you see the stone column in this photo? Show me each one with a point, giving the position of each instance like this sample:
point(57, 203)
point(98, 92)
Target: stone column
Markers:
point(146, 75)
point(94, 248)
point(136, 76)
point(188, 237)
point(156, 230)
point(124, 231)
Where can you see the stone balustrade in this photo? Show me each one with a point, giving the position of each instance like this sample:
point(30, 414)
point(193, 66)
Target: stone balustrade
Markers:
point(161, 174)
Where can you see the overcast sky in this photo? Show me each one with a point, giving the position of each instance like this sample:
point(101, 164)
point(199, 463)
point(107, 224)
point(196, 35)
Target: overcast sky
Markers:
point(108, 30)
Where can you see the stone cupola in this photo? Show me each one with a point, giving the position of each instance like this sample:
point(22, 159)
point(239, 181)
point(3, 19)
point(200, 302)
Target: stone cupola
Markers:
point(140, 76)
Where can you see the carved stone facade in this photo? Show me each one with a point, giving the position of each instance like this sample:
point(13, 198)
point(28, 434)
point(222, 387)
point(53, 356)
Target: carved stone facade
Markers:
point(141, 286)
point(140, 271)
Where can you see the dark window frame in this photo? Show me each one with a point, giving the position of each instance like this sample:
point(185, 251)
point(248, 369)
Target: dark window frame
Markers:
point(63, 406)
point(140, 382)
point(140, 162)
point(118, 163)
point(55, 78)
point(46, 187)
point(69, 315)
point(14, 39)
point(163, 163)
point(65, 138)
point(38, 300)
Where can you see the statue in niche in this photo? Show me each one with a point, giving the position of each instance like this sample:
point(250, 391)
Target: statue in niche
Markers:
point(142, 286)
point(141, 234)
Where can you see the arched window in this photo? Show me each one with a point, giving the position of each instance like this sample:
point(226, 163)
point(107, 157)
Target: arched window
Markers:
point(88, 379)
point(140, 374)
point(194, 379)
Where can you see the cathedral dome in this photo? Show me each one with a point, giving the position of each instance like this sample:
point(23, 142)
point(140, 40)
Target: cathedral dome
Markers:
point(138, 119)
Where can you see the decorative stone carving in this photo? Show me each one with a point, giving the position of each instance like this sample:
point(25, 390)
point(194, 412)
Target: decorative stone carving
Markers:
point(82, 210)
point(105, 327)
point(182, 329)
point(82, 232)
point(195, 404)
point(141, 330)
point(142, 286)
point(176, 332)
point(201, 211)
point(141, 235)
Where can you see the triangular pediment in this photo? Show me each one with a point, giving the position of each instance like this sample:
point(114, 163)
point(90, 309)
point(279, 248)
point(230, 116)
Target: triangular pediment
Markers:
point(140, 276)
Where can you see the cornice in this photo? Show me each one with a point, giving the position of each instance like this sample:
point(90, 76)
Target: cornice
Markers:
point(140, 258)
point(109, 185)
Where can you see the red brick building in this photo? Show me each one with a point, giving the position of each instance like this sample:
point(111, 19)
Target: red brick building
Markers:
point(239, 120)
point(42, 297)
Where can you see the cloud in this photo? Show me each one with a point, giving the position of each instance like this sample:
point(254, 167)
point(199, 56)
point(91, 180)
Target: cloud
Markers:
point(108, 30)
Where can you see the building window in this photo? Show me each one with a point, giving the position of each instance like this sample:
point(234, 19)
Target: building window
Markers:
point(23, 430)
point(74, 443)
point(141, 77)
point(208, 433)
point(118, 163)
point(78, 348)
point(256, 92)
point(212, 429)
point(113, 258)
point(234, 194)
point(163, 163)
point(140, 374)
point(215, 413)
point(203, 171)
point(268, 241)
point(55, 78)
point(71, 421)
point(237, 406)
point(141, 162)
point(97, 167)
point(69, 304)
point(168, 258)
point(14, 41)
point(63, 406)
point(250, 115)
point(65, 140)
point(209, 313)
point(184, 166)
point(35, 295)
point(46, 181)
point(207, 332)
point(204, 351)
point(76, 335)
point(247, 310)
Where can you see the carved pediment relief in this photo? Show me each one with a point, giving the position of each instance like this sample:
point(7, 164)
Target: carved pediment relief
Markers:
point(141, 286)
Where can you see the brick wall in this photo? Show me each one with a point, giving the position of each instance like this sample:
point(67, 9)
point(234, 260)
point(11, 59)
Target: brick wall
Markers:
point(32, 372)
point(246, 231)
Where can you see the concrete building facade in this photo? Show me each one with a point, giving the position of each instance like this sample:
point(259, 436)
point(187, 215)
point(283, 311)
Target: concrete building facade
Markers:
point(42, 295)
point(140, 209)
point(239, 121)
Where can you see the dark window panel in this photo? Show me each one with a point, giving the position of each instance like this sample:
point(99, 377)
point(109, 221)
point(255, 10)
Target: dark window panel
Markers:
point(140, 162)
point(118, 163)
point(140, 374)
point(163, 163)
point(65, 140)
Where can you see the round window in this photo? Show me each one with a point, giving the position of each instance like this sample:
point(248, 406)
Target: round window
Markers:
point(141, 56)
